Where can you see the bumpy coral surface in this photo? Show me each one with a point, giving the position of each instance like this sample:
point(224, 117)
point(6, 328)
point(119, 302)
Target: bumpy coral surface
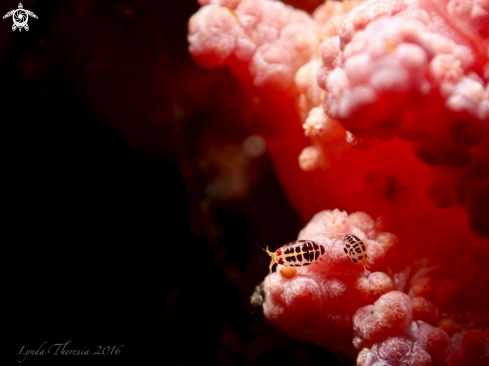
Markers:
point(407, 80)
point(377, 106)
point(318, 302)
point(442, 320)
point(418, 70)
point(424, 313)
point(269, 38)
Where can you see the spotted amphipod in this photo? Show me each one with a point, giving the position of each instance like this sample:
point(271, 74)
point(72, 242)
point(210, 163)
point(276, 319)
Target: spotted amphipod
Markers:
point(355, 249)
point(298, 253)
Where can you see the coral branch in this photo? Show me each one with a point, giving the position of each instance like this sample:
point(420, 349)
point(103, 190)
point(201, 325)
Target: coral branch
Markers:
point(393, 100)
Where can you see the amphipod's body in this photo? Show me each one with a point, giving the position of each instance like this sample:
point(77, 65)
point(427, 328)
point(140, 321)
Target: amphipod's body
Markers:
point(297, 254)
point(355, 249)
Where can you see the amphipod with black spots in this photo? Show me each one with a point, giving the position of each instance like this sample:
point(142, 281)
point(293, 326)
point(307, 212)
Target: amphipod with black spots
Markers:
point(355, 249)
point(298, 253)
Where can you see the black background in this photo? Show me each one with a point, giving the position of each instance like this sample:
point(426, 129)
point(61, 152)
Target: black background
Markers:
point(103, 252)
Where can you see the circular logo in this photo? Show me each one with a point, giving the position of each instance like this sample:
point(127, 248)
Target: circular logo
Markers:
point(20, 17)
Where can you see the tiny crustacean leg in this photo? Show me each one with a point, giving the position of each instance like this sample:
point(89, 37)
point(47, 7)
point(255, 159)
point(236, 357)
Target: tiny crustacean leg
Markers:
point(273, 261)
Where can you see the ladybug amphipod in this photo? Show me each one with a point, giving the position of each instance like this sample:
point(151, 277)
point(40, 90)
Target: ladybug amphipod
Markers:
point(298, 253)
point(355, 249)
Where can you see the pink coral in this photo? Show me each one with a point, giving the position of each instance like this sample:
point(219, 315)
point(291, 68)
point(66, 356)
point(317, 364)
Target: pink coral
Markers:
point(271, 39)
point(342, 308)
point(396, 66)
point(318, 302)
point(441, 321)
point(386, 68)
point(421, 344)
point(393, 101)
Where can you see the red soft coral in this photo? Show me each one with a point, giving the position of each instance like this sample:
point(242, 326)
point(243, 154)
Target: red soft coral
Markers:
point(317, 302)
point(393, 99)
point(416, 70)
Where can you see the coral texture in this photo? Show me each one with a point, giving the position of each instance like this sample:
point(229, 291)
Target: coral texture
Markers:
point(441, 318)
point(382, 107)
point(400, 77)
point(317, 302)
point(418, 70)
point(269, 38)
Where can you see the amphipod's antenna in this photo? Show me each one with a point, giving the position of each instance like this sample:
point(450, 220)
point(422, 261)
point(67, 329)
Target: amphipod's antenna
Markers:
point(271, 254)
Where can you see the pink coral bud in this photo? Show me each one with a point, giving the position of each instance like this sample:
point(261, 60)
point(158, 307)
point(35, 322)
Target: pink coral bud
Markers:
point(364, 222)
point(399, 279)
point(305, 80)
point(423, 283)
point(379, 284)
point(212, 35)
point(469, 96)
point(321, 78)
point(315, 123)
point(272, 66)
point(424, 286)
point(357, 68)
point(299, 301)
point(329, 51)
point(411, 57)
point(296, 38)
point(310, 158)
point(388, 241)
point(389, 80)
point(395, 351)
point(365, 13)
point(472, 15)
point(448, 325)
point(390, 314)
point(424, 310)
point(327, 222)
point(337, 82)
point(376, 253)
point(434, 340)
point(375, 285)
point(446, 67)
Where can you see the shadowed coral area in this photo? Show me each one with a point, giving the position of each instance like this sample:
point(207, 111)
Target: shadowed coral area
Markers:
point(393, 100)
